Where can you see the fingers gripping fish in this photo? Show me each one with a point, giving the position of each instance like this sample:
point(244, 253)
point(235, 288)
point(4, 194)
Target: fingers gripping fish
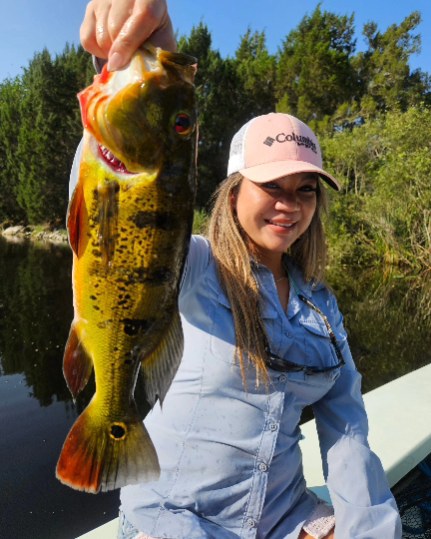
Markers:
point(129, 223)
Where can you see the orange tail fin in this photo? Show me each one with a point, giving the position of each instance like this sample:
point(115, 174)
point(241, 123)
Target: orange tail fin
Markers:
point(103, 454)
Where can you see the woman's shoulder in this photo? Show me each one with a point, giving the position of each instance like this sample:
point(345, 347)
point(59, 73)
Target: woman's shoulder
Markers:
point(198, 260)
point(199, 250)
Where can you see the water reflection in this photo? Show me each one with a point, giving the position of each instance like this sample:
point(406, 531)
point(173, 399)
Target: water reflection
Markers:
point(389, 330)
point(35, 404)
point(35, 316)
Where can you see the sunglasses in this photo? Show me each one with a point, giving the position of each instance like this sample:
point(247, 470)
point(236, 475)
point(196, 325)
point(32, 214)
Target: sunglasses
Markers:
point(283, 365)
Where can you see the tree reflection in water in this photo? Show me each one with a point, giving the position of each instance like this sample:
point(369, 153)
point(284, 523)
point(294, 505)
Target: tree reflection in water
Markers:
point(35, 403)
point(388, 325)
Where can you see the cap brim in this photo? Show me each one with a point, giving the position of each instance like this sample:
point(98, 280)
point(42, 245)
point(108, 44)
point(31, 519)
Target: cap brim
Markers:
point(273, 171)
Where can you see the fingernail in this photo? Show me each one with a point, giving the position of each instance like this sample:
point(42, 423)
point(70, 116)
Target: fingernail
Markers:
point(115, 61)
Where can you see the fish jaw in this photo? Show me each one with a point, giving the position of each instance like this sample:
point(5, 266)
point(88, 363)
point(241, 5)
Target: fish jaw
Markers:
point(140, 111)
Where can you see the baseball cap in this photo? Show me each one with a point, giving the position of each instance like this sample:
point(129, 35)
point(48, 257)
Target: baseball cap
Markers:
point(275, 145)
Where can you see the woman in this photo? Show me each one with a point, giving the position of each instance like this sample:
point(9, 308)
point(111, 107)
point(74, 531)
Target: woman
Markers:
point(263, 339)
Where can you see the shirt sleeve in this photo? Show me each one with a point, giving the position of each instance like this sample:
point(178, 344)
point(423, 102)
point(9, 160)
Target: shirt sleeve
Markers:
point(363, 503)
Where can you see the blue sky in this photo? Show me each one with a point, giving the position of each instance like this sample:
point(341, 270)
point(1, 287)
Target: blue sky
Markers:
point(27, 26)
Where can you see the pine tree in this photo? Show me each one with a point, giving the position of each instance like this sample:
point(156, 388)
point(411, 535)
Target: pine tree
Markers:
point(314, 72)
point(256, 70)
point(387, 81)
point(217, 94)
point(49, 133)
point(10, 95)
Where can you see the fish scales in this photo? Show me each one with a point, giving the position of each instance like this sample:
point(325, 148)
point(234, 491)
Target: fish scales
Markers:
point(129, 223)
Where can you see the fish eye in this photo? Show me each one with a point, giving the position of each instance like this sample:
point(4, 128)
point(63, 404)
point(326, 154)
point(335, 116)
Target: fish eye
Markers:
point(183, 124)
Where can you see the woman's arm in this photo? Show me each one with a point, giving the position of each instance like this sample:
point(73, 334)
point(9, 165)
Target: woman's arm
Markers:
point(363, 504)
point(114, 29)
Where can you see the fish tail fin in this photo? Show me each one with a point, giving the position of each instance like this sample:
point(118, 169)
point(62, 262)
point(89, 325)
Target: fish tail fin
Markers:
point(102, 454)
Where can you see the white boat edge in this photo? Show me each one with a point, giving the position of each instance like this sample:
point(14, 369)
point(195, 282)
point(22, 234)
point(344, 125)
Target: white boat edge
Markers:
point(400, 434)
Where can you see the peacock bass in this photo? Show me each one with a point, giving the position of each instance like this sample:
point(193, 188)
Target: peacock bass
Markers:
point(129, 224)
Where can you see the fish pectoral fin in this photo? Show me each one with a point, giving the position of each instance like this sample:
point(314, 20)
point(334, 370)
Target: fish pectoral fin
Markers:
point(77, 364)
point(75, 216)
point(103, 453)
point(159, 368)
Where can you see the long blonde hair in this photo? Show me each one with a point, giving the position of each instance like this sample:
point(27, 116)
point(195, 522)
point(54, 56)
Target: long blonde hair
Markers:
point(235, 268)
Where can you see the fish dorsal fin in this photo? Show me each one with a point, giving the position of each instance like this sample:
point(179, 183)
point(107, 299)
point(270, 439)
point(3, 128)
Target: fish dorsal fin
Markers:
point(75, 216)
point(77, 364)
point(159, 368)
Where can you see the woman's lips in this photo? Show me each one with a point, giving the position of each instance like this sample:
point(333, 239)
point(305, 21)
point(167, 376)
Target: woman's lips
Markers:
point(281, 224)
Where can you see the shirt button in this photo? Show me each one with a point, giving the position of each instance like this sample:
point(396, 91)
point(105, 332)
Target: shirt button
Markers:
point(282, 378)
point(250, 523)
point(263, 467)
point(273, 427)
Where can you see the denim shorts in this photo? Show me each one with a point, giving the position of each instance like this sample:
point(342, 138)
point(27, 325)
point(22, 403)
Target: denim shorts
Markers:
point(126, 530)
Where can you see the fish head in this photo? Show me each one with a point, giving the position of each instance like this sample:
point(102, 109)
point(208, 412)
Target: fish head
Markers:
point(143, 117)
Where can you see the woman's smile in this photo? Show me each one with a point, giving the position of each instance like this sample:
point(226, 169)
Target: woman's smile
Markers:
point(280, 223)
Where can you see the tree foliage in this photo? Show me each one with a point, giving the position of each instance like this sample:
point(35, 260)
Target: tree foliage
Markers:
point(230, 92)
point(384, 214)
point(387, 81)
point(315, 74)
point(10, 94)
point(40, 128)
point(372, 112)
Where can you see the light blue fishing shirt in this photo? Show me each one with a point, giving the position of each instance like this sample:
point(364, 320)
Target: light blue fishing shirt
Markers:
point(230, 458)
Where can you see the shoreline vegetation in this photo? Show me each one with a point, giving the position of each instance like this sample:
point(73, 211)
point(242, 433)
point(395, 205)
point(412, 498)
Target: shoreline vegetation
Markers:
point(18, 233)
point(369, 109)
point(48, 233)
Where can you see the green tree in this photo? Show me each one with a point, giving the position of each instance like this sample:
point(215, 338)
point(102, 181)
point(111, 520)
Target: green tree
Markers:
point(49, 132)
point(10, 95)
point(217, 90)
point(384, 214)
point(314, 73)
point(256, 71)
point(386, 79)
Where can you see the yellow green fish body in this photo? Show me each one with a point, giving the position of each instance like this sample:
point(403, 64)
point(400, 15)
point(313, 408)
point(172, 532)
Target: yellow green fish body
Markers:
point(129, 224)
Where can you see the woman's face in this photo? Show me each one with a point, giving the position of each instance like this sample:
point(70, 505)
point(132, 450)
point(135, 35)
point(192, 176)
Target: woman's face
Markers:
point(275, 214)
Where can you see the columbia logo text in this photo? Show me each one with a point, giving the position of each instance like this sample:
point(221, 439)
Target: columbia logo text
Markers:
point(292, 137)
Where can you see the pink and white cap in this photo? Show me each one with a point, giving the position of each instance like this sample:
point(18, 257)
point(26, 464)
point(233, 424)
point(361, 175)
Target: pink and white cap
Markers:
point(275, 145)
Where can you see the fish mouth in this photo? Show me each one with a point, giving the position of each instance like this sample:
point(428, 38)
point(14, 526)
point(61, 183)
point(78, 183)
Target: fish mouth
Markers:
point(113, 162)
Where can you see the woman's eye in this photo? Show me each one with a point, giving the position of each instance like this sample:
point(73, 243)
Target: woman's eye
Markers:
point(309, 189)
point(270, 185)
point(183, 124)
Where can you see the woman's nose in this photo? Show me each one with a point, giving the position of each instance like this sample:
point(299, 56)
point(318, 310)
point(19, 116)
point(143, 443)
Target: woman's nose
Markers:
point(287, 202)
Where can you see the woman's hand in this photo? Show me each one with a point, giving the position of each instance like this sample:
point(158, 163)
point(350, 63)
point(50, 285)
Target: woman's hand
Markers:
point(114, 29)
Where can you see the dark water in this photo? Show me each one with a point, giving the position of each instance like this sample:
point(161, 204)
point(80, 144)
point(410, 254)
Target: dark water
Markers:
point(388, 335)
point(36, 410)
